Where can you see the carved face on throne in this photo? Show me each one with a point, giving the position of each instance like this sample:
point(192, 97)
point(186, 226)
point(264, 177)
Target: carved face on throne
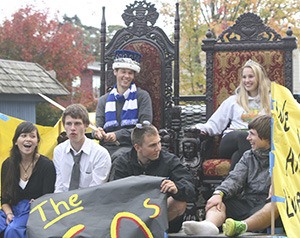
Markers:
point(190, 156)
point(189, 150)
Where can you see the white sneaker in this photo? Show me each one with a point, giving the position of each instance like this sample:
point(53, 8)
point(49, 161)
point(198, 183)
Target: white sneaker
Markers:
point(200, 228)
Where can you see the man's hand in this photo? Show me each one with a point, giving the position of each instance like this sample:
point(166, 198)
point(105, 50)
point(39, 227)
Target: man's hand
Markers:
point(99, 133)
point(168, 186)
point(215, 200)
point(110, 137)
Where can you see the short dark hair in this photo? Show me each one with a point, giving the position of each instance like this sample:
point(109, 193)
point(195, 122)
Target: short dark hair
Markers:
point(262, 124)
point(76, 111)
point(139, 132)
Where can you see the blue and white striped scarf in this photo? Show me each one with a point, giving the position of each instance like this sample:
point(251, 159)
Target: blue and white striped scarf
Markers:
point(129, 115)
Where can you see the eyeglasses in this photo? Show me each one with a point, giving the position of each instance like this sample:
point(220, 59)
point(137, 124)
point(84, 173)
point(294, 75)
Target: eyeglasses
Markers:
point(143, 124)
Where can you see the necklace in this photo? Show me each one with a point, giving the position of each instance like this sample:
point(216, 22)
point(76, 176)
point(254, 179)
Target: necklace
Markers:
point(25, 170)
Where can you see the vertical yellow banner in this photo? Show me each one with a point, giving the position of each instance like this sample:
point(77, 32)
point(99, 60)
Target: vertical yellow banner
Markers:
point(285, 162)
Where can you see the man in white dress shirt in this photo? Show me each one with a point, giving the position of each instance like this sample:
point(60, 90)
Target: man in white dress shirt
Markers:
point(95, 161)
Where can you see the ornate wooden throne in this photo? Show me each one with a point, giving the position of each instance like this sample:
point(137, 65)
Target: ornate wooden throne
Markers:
point(247, 39)
point(157, 75)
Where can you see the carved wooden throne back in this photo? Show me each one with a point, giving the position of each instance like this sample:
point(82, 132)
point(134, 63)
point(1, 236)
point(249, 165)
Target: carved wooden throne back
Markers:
point(247, 39)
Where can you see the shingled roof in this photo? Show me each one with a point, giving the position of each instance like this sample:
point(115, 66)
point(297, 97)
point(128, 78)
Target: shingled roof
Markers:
point(18, 77)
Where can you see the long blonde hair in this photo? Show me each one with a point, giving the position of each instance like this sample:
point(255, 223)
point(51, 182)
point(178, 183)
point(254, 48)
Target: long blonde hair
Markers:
point(264, 87)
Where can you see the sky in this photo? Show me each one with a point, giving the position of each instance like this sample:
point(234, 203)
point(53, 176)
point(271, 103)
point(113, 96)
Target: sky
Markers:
point(88, 11)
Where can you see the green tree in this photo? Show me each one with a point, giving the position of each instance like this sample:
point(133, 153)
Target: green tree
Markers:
point(197, 16)
point(48, 115)
point(91, 35)
point(111, 31)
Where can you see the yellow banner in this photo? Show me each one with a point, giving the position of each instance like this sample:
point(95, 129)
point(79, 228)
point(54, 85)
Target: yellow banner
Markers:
point(286, 157)
point(8, 126)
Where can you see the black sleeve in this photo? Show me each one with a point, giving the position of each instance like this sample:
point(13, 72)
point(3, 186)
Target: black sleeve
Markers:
point(119, 169)
point(50, 177)
point(4, 169)
point(183, 181)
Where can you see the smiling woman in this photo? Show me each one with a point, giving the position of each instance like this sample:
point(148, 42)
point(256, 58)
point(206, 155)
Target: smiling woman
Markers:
point(25, 175)
point(251, 98)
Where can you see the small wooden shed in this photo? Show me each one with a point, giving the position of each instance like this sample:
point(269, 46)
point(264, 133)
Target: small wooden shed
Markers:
point(20, 84)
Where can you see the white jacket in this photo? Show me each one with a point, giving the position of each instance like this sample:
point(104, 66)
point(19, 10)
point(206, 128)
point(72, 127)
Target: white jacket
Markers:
point(230, 112)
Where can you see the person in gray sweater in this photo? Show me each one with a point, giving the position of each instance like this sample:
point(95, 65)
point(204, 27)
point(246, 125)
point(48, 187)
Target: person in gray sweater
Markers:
point(245, 190)
point(123, 107)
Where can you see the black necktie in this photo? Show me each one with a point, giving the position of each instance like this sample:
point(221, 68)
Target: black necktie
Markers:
point(75, 176)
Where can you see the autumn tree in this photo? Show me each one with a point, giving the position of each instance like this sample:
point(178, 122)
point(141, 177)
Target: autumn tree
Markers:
point(197, 16)
point(31, 36)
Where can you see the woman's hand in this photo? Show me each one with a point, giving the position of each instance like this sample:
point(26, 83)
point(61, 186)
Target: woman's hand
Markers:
point(9, 217)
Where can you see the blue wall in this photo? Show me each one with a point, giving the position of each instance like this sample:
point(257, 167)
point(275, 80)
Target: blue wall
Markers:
point(22, 107)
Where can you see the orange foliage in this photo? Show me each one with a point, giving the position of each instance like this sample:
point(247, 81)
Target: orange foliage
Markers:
point(31, 37)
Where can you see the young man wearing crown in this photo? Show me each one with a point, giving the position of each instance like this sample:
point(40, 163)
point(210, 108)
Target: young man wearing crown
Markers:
point(123, 107)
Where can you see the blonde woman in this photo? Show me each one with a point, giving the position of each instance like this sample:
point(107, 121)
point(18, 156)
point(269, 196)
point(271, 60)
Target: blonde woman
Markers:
point(251, 98)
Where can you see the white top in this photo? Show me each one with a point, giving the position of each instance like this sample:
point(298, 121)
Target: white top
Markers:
point(231, 111)
point(23, 183)
point(95, 165)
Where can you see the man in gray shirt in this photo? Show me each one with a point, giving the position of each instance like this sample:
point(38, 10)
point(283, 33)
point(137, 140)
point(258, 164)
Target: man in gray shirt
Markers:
point(123, 107)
